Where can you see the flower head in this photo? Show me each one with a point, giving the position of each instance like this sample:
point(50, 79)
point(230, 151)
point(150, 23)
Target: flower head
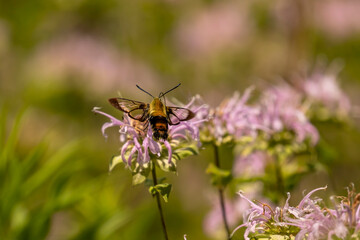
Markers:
point(139, 146)
point(232, 120)
point(261, 218)
point(323, 90)
point(310, 219)
point(197, 37)
point(281, 109)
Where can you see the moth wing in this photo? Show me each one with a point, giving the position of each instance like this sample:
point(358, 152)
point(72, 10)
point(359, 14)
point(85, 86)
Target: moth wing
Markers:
point(178, 114)
point(135, 109)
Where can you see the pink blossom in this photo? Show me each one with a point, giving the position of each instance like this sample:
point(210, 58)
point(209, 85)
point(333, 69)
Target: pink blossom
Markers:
point(337, 18)
point(253, 164)
point(211, 29)
point(260, 217)
point(281, 109)
point(232, 119)
point(138, 140)
point(310, 219)
point(322, 87)
point(96, 64)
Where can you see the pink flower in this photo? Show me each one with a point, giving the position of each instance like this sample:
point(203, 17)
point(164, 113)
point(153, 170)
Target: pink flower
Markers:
point(218, 27)
point(96, 64)
point(310, 219)
point(139, 143)
point(322, 87)
point(337, 18)
point(251, 165)
point(261, 218)
point(281, 109)
point(232, 119)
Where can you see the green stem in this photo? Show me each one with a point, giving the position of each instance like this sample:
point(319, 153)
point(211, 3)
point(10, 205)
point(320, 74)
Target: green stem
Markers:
point(159, 203)
point(279, 179)
point(221, 194)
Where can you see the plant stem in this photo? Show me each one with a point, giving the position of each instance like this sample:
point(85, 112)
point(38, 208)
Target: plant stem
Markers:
point(159, 203)
point(279, 179)
point(221, 194)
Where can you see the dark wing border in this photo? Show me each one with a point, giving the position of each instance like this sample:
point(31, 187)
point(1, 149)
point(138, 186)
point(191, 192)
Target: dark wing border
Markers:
point(179, 113)
point(128, 106)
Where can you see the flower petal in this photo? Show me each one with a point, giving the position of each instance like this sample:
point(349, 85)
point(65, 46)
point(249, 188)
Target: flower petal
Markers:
point(168, 146)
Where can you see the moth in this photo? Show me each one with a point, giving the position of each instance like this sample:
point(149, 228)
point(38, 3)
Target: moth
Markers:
point(156, 113)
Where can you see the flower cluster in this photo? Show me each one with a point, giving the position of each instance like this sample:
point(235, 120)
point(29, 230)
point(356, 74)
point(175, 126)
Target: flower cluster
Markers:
point(231, 120)
point(283, 132)
point(310, 219)
point(137, 137)
point(250, 165)
point(322, 89)
point(281, 109)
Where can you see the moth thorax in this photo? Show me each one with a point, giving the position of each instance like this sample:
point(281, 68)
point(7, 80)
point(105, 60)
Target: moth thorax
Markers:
point(157, 108)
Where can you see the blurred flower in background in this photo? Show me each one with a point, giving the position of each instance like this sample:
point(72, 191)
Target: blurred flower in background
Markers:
point(232, 120)
point(211, 30)
point(98, 66)
point(322, 88)
point(281, 109)
point(251, 165)
point(338, 19)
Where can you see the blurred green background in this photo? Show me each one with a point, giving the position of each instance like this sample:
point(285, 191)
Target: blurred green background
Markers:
point(59, 59)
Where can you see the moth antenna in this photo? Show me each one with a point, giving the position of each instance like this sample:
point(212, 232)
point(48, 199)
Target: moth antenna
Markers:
point(144, 91)
point(163, 94)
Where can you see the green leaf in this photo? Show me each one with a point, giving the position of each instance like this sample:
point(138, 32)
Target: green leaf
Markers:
point(164, 165)
point(150, 182)
point(219, 177)
point(50, 168)
point(115, 161)
point(138, 178)
point(140, 173)
point(245, 140)
point(228, 139)
point(184, 152)
point(163, 189)
point(8, 148)
point(179, 153)
point(112, 224)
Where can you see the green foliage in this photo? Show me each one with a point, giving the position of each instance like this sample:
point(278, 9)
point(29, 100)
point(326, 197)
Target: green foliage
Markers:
point(287, 162)
point(140, 173)
point(219, 177)
point(163, 189)
point(37, 185)
point(33, 188)
point(180, 151)
point(115, 161)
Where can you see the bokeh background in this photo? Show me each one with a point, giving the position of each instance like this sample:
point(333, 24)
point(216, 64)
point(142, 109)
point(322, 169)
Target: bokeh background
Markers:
point(59, 59)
